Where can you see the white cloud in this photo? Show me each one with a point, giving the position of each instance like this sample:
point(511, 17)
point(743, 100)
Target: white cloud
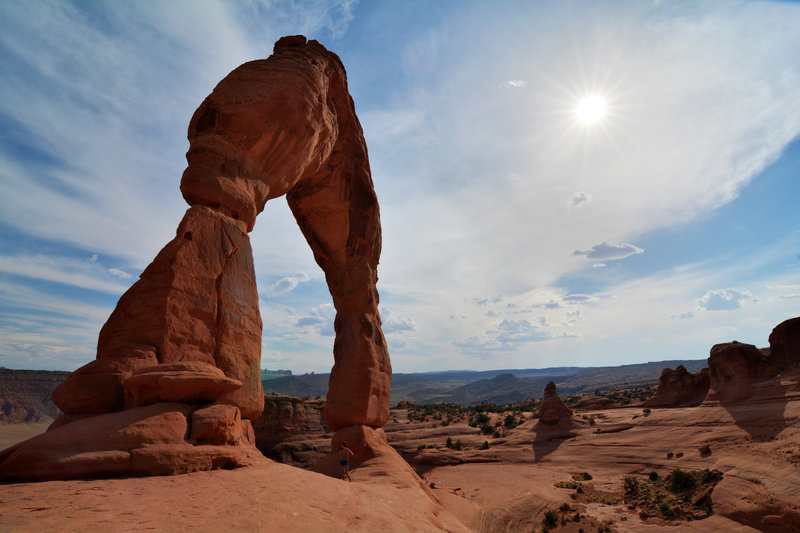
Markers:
point(607, 251)
point(516, 83)
point(578, 298)
point(578, 199)
point(119, 273)
point(287, 284)
point(76, 273)
point(393, 322)
point(723, 299)
point(320, 318)
point(682, 316)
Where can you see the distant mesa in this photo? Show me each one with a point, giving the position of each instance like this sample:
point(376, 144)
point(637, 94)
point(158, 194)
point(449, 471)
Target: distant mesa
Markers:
point(176, 382)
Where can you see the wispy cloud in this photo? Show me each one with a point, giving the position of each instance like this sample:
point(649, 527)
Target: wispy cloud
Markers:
point(607, 251)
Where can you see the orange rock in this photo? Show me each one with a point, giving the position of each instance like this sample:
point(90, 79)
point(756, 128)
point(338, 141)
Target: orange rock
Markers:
point(189, 382)
point(189, 329)
point(218, 424)
point(97, 386)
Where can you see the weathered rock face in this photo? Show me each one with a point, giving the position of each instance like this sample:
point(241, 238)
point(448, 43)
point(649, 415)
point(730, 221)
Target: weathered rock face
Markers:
point(292, 430)
point(679, 388)
point(189, 331)
point(733, 367)
point(552, 410)
point(784, 345)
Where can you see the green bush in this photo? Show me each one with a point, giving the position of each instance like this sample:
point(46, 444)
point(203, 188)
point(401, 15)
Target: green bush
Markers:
point(485, 445)
point(550, 519)
point(482, 418)
point(653, 476)
point(680, 481)
point(487, 429)
point(631, 487)
point(666, 509)
point(510, 421)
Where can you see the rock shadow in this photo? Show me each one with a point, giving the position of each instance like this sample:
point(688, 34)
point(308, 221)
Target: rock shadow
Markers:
point(550, 437)
point(763, 418)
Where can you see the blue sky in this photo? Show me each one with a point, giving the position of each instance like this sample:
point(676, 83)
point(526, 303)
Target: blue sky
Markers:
point(516, 234)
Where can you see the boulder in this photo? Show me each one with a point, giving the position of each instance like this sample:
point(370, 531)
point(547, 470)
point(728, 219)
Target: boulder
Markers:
point(680, 388)
point(219, 424)
point(552, 410)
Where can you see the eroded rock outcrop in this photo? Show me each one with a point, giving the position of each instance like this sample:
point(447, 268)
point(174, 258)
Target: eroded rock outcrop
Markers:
point(552, 410)
point(739, 371)
point(184, 341)
point(680, 388)
point(292, 430)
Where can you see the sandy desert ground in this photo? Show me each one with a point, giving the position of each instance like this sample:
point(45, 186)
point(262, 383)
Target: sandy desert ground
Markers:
point(507, 487)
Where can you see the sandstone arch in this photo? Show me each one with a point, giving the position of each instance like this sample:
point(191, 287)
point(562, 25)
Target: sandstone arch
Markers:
point(182, 347)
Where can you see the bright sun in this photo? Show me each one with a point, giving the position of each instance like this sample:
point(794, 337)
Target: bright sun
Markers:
point(591, 109)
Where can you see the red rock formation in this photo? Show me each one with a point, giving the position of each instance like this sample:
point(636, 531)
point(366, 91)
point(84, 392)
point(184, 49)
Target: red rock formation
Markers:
point(552, 410)
point(784, 345)
point(679, 388)
point(732, 368)
point(189, 330)
point(292, 430)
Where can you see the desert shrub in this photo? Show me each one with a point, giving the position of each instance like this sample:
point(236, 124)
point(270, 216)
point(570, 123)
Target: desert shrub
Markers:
point(666, 509)
point(604, 527)
point(576, 517)
point(550, 519)
point(421, 447)
point(653, 476)
point(482, 418)
point(591, 421)
point(579, 490)
point(487, 429)
point(680, 481)
point(497, 434)
point(485, 445)
point(565, 508)
point(710, 476)
point(457, 445)
point(581, 476)
point(510, 421)
point(631, 487)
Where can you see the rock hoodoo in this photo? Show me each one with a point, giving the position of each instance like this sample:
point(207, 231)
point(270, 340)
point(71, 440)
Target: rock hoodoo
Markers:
point(176, 381)
point(552, 410)
point(679, 388)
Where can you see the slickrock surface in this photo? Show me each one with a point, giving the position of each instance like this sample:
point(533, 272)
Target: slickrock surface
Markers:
point(679, 388)
point(189, 330)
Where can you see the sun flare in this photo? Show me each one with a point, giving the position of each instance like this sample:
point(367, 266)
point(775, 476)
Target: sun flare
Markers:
point(591, 109)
